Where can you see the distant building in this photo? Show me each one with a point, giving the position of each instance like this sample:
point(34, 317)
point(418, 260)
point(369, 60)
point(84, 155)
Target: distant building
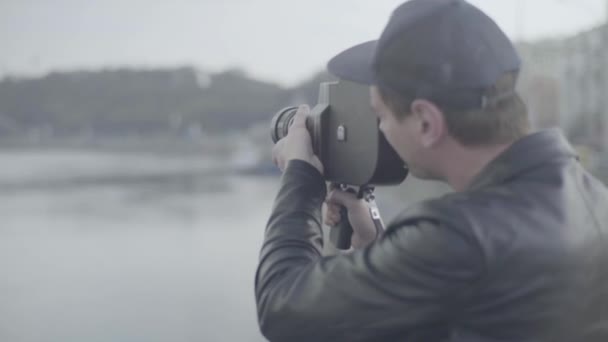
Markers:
point(565, 83)
point(539, 81)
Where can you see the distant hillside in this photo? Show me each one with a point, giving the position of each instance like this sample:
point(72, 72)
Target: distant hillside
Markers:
point(111, 102)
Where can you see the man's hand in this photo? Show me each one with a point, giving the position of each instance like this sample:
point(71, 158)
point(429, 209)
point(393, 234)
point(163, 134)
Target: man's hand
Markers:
point(364, 230)
point(297, 144)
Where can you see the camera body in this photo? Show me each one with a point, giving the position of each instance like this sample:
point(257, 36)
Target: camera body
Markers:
point(346, 138)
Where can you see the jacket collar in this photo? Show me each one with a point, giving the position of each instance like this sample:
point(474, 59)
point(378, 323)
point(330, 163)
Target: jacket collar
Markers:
point(524, 154)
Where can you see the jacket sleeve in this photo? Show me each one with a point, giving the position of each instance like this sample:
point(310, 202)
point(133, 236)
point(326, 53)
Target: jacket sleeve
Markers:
point(405, 284)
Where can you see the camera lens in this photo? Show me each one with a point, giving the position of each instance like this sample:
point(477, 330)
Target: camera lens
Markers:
point(279, 126)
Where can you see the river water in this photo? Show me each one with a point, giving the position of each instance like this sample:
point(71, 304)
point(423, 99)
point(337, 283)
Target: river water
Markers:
point(121, 247)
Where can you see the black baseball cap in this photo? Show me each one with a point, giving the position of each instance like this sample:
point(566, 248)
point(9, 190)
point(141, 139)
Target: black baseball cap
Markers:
point(447, 51)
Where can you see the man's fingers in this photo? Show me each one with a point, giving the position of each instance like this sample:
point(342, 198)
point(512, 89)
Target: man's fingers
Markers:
point(275, 152)
point(333, 215)
point(276, 159)
point(332, 207)
point(332, 221)
point(299, 120)
point(341, 197)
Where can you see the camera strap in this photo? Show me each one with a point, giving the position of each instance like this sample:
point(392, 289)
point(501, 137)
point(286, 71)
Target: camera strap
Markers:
point(368, 196)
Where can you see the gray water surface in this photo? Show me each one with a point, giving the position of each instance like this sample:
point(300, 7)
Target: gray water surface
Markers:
point(138, 249)
point(119, 247)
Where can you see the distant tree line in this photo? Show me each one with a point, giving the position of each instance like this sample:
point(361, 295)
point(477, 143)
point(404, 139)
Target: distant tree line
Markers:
point(144, 101)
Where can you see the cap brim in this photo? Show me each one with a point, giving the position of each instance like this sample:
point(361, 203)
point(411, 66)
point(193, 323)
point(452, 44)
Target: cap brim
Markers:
point(355, 63)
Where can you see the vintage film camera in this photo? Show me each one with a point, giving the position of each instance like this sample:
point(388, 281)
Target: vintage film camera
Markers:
point(345, 136)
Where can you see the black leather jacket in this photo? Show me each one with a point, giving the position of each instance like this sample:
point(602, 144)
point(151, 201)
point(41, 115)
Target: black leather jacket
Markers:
point(522, 255)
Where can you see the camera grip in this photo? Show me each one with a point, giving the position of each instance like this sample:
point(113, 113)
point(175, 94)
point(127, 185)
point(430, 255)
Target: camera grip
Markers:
point(340, 235)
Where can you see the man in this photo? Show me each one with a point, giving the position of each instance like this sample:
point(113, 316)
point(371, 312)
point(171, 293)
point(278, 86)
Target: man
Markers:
point(519, 252)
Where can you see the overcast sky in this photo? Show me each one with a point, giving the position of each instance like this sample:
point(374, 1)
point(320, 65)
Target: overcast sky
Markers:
point(278, 40)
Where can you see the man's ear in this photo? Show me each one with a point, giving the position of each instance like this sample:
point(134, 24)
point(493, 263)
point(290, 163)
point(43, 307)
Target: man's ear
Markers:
point(432, 125)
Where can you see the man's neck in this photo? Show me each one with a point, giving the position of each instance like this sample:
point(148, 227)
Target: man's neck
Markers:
point(465, 163)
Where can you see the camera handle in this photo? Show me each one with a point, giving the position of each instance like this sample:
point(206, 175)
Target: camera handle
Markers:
point(340, 235)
